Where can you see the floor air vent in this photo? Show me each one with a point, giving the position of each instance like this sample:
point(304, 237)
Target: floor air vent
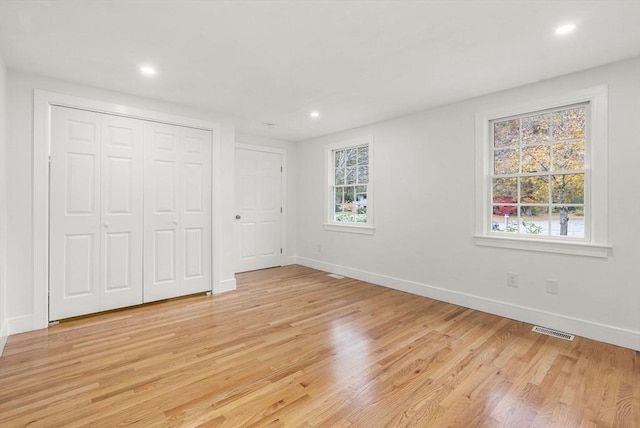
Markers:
point(554, 333)
point(336, 276)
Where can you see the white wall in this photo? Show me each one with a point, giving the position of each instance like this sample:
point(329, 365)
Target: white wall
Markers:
point(3, 288)
point(424, 217)
point(19, 150)
point(291, 174)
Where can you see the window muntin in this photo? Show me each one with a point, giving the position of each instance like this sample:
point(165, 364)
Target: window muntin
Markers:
point(538, 173)
point(350, 185)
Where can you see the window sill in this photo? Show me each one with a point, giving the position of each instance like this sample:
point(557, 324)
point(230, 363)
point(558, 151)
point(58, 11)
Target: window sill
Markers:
point(350, 228)
point(545, 246)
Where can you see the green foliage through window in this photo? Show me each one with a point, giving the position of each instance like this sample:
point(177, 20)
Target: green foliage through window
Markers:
point(538, 172)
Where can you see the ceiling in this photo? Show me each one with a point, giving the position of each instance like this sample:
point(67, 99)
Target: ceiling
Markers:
point(356, 62)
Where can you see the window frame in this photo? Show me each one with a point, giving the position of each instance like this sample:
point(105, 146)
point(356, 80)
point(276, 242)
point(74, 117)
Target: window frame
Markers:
point(595, 242)
point(349, 227)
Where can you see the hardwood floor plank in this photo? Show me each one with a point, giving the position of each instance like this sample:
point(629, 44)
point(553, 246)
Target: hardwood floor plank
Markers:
point(292, 347)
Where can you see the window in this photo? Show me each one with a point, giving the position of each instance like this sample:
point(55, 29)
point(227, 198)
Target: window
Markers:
point(349, 196)
point(538, 175)
point(541, 175)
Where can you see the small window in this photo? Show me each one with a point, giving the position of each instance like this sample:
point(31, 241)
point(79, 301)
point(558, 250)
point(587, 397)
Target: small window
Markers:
point(350, 185)
point(538, 177)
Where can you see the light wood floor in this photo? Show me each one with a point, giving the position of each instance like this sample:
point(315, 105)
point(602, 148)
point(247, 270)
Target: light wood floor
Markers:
point(293, 347)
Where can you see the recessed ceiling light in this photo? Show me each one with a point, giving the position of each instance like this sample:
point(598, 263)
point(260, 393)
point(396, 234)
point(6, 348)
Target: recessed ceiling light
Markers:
point(147, 70)
point(315, 114)
point(271, 125)
point(565, 29)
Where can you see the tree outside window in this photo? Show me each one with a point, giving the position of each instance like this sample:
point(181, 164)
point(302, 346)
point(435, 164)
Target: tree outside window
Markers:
point(350, 182)
point(538, 173)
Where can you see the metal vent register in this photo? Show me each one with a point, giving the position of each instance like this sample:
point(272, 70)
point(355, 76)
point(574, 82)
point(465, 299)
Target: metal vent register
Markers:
point(554, 333)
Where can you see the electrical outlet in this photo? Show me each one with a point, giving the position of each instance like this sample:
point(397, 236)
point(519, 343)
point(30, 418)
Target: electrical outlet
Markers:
point(512, 279)
point(552, 286)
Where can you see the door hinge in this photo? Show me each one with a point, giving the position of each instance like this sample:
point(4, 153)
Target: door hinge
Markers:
point(280, 250)
point(280, 169)
point(280, 210)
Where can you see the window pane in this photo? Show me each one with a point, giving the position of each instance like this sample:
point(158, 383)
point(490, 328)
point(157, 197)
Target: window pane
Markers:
point(504, 218)
point(361, 197)
point(567, 189)
point(568, 221)
point(535, 129)
point(535, 158)
point(340, 158)
point(362, 215)
point(534, 220)
point(506, 133)
point(338, 195)
point(363, 174)
point(568, 156)
point(361, 194)
point(363, 155)
point(351, 175)
point(505, 190)
point(352, 156)
point(506, 161)
point(534, 190)
point(349, 194)
point(569, 124)
point(340, 176)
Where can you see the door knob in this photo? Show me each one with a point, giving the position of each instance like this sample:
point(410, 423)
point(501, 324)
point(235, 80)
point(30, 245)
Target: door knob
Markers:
point(238, 217)
point(106, 225)
point(175, 222)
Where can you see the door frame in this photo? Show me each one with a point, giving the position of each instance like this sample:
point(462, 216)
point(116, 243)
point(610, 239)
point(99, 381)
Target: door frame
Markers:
point(283, 192)
point(43, 102)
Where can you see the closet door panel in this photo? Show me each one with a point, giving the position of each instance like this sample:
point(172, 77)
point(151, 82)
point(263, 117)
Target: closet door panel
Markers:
point(162, 265)
point(196, 210)
point(74, 213)
point(122, 212)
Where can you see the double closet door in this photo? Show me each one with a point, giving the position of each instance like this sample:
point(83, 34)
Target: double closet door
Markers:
point(130, 212)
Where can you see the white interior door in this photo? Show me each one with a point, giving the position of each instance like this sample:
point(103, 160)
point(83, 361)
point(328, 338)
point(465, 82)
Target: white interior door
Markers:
point(177, 258)
point(130, 212)
point(74, 251)
point(95, 213)
point(195, 221)
point(258, 209)
point(122, 212)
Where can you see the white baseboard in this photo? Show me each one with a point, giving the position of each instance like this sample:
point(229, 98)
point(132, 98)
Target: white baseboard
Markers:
point(580, 327)
point(20, 324)
point(226, 285)
point(290, 260)
point(4, 334)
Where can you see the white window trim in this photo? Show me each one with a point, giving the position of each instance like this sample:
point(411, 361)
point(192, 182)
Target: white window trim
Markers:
point(334, 226)
point(596, 163)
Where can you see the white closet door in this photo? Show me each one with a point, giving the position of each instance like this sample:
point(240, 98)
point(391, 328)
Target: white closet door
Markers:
point(162, 269)
point(95, 212)
point(122, 212)
point(195, 222)
point(177, 256)
point(258, 202)
point(75, 224)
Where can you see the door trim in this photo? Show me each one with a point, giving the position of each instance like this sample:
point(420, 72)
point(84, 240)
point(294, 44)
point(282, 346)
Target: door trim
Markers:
point(283, 191)
point(43, 102)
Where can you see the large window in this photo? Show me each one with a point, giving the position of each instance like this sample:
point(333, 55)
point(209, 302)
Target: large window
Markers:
point(350, 185)
point(541, 175)
point(538, 175)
